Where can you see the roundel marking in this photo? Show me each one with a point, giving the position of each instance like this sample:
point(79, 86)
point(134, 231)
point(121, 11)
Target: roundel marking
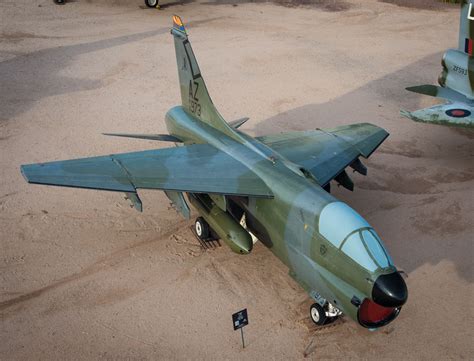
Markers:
point(458, 113)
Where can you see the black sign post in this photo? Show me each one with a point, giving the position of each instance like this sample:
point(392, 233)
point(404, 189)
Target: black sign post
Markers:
point(239, 320)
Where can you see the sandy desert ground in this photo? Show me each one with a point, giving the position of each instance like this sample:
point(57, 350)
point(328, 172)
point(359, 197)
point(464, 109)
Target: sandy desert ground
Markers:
point(84, 276)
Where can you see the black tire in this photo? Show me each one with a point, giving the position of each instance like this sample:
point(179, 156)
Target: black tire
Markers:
point(202, 229)
point(317, 314)
point(151, 3)
point(60, 2)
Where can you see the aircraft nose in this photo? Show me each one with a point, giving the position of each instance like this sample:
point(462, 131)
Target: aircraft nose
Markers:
point(390, 290)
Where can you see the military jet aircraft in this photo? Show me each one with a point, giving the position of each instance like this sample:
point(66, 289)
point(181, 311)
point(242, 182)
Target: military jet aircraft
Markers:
point(456, 80)
point(278, 184)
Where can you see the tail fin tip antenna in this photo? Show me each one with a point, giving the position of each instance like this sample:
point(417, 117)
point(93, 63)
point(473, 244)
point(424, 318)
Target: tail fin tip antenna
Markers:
point(178, 24)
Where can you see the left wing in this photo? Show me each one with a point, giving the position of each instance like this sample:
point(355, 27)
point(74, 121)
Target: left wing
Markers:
point(326, 153)
point(198, 168)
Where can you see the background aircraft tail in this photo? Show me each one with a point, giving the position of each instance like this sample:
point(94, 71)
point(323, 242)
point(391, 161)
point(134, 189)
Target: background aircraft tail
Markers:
point(194, 95)
point(457, 76)
point(466, 28)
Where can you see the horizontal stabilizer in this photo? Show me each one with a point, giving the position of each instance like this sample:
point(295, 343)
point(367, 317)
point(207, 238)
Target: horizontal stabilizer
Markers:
point(237, 123)
point(162, 137)
point(439, 92)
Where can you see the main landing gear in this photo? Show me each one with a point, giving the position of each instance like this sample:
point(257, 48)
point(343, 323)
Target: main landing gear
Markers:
point(205, 235)
point(321, 315)
point(202, 229)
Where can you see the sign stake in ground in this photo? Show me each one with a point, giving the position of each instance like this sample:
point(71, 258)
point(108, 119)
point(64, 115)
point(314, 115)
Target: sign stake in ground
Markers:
point(239, 320)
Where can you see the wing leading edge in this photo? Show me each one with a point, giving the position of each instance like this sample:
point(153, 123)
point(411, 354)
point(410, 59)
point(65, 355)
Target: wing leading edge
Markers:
point(198, 168)
point(326, 153)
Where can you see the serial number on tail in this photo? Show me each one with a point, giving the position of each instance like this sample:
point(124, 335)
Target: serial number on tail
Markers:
point(194, 105)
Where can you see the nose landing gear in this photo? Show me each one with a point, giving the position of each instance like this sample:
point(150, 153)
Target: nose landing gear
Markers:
point(318, 314)
point(321, 315)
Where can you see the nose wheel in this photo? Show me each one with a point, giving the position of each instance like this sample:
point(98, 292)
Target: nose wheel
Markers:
point(318, 314)
point(323, 315)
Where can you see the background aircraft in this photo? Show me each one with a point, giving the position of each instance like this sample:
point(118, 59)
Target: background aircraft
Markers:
point(152, 3)
point(456, 80)
point(277, 186)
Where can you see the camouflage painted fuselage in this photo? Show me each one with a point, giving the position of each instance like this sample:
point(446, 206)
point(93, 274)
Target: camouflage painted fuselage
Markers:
point(279, 184)
point(288, 224)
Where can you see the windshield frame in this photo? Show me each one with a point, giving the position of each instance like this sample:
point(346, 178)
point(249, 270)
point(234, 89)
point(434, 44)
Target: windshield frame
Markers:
point(367, 249)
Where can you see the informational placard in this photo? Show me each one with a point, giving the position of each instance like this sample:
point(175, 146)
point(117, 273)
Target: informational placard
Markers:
point(239, 320)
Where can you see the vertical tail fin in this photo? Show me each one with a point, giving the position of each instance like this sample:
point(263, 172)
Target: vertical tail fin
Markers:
point(194, 95)
point(466, 27)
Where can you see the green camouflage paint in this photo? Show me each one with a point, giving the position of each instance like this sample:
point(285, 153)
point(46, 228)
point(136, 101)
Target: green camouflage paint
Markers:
point(275, 181)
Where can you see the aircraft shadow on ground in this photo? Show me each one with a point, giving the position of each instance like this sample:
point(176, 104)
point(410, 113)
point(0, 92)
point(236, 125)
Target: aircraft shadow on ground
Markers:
point(31, 77)
point(326, 5)
point(367, 104)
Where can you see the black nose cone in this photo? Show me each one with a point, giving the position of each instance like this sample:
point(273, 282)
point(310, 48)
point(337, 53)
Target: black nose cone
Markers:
point(390, 290)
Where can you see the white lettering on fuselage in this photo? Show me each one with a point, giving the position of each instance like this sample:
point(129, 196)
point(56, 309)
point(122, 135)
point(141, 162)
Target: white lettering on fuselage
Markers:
point(459, 70)
point(469, 13)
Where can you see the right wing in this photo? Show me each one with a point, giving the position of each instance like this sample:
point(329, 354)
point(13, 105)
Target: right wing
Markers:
point(197, 168)
point(326, 153)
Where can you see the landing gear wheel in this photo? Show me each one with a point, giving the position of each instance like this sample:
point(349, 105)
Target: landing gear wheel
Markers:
point(318, 315)
point(202, 229)
point(60, 2)
point(151, 3)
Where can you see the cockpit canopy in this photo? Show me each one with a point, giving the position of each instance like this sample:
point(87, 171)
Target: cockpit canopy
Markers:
point(350, 233)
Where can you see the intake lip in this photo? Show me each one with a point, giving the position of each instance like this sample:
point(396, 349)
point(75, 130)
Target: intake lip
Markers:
point(390, 290)
point(371, 315)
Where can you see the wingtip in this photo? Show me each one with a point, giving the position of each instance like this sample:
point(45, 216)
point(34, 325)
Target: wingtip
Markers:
point(405, 113)
point(23, 172)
